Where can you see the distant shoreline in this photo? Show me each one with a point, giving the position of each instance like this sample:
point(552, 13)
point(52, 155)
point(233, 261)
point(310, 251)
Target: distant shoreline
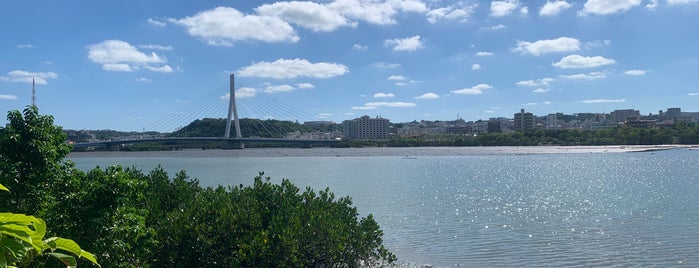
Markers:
point(382, 151)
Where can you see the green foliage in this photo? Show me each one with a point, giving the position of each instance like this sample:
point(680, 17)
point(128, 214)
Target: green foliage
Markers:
point(268, 225)
point(31, 150)
point(22, 240)
point(249, 127)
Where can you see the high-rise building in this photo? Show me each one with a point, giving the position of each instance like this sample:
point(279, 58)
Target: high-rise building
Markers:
point(621, 116)
point(552, 121)
point(524, 121)
point(365, 127)
point(673, 113)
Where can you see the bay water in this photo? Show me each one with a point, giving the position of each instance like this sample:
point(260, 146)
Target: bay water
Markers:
point(451, 209)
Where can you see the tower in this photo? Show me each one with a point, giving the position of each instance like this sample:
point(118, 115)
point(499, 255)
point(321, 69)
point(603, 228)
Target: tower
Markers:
point(232, 111)
point(33, 94)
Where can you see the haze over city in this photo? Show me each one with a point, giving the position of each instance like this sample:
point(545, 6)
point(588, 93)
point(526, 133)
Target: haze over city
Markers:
point(125, 65)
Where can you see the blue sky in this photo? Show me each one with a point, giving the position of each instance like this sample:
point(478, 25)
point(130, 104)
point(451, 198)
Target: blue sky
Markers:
point(127, 64)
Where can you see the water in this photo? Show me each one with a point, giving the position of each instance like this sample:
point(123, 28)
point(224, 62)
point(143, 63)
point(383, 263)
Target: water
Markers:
point(495, 210)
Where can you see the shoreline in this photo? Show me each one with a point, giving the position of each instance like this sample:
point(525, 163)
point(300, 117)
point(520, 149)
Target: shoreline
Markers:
point(382, 151)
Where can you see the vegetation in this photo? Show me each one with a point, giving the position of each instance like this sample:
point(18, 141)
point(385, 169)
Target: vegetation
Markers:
point(250, 127)
point(131, 219)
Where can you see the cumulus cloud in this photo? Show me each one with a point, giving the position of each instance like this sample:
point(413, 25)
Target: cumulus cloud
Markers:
point(376, 12)
point(606, 7)
point(428, 96)
point(475, 90)
point(484, 54)
point(405, 44)
point(635, 72)
point(7, 97)
point(120, 56)
point(241, 93)
point(604, 101)
point(364, 107)
point(157, 23)
point(25, 46)
point(310, 15)
point(143, 79)
point(541, 90)
point(359, 47)
point(554, 8)
point(396, 77)
point(540, 47)
point(577, 61)
point(293, 68)
point(279, 88)
point(693, 94)
point(495, 28)
point(222, 26)
point(462, 14)
point(305, 85)
point(536, 82)
point(504, 8)
point(475, 66)
point(19, 76)
point(587, 76)
point(384, 95)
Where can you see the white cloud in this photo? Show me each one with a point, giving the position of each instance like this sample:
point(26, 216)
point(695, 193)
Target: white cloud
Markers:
point(396, 77)
point(554, 8)
point(376, 12)
point(635, 72)
point(156, 47)
point(540, 47)
point(305, 85)
point(359, 47)
point(120, 56)
point(222, 26)
point(156, 23)
point(587, 76)
point(364, 107)
point(385, 65)
point(603, 101)
point(7, 97)
point(25, 46)
point(405, 44)
point(577, 61)
point(606, 7)
point(536, 82)
point(451, 13)
point(241, 93)
point(143, 79)
point(19, 76)
point(541, 90)
point(279, 88)
point(503, 8)
point(317, 17)
point(475, 90)
point(384, 95)
point(693, 94)
point(162, 69)
point(396, 104)
point(428, 96)
point(411, 82)
point(292, 68)
point(484, 54)
point(495, 27)
point(475, 66)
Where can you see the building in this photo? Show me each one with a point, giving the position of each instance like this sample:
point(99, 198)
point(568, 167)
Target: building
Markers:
point(552, 121)
point(524, 121)
point(621, 116)
point(365, 127)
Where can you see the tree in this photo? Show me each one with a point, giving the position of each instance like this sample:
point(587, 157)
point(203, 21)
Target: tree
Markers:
point(31, 150)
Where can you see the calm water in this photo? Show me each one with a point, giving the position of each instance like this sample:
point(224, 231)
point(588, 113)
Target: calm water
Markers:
point(538, 210)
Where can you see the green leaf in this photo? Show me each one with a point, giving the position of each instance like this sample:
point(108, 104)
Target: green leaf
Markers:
point(2, 187)
point(66, 259)
point(71, 247)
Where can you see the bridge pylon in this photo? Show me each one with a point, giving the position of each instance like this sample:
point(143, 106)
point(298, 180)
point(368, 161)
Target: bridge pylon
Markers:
point(233, 112)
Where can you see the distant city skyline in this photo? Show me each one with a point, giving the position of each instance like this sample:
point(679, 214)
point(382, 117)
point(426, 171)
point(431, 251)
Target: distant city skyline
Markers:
point(125, 65)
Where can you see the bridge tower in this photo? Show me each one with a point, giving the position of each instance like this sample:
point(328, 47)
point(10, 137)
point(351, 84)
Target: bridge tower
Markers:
point(233, 111)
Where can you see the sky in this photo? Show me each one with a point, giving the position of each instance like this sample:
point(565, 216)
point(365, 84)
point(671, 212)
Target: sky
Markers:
point(124, 65)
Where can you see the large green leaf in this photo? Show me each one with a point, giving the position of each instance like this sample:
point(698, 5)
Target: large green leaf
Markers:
point(71, 247)
point(66, 259)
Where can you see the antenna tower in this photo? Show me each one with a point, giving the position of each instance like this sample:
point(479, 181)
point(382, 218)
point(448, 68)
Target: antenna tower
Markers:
point(33, 94)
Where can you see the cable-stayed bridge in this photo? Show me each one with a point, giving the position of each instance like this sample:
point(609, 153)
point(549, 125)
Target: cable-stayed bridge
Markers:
point(216, 103)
